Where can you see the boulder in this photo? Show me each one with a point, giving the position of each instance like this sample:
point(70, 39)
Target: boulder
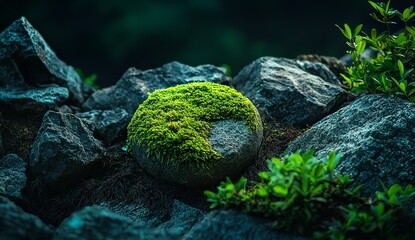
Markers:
point(134, 86)
point(1, 143)
point(376, 135)
point(27, 60)
point(292, 92)
point(231, 224)
point(110, 125)
point(17, 224)
point(12, 176)
point(63, 150)
point(99, 223)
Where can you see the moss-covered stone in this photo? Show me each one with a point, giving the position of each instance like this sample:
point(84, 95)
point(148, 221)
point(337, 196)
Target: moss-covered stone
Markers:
point(174, 124)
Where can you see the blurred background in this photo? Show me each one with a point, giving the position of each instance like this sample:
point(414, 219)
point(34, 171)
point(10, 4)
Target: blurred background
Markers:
point(107, 37)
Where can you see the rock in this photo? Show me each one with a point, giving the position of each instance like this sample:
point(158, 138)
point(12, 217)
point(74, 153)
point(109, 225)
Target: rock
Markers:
point(231, 224)
point(376, 134)
point(134, 86)
point(27, 60)
point(1, 143)
point(288, 91)
point(63, 150)
point(33, 99)
point(17, 224)
point(99, 223)
point(110, 125)
point(12, 176)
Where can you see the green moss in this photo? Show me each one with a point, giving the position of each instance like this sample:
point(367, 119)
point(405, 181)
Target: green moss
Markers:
point(174, 123)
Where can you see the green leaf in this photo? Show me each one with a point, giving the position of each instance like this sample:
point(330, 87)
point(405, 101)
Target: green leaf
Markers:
point(357, 30)
point(210, 194)
point(348, 31)
point(361, 46)
point(280, 190)
point(263, 192)
point(393, 190)
point(401, 68)
point(411, 92)
point(377, 7)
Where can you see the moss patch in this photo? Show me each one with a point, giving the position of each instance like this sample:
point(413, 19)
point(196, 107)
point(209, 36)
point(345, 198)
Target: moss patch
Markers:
point(174, 123)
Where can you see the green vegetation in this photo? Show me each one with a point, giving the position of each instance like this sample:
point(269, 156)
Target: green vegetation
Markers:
point(88, 80)
point(174, 123)
point(301, 194)
point(391, 71)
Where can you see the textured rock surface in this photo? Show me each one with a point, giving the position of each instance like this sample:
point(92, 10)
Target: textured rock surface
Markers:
point(376, 134)
point(133, 87)
point(12, 176)
point(33, 99)
point(99, 223)
point(232, 139)
point(234, 225)
point(17, 224)
point(110, 125)
point(289, 91)
point(1, 144)
point(26, 59)
point(63, 150)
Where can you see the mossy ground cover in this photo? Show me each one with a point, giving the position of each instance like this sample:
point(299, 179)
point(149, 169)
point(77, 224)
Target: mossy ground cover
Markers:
point(176, 122)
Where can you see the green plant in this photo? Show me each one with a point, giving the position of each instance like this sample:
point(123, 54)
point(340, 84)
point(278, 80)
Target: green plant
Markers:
point(88, 80)
point(391, 70)
point(173, 124)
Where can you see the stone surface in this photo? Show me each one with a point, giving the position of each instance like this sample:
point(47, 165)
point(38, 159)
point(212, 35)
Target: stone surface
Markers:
point(27, 60)
point(33, 99)
point(1, 143)
point(99, 223)
point(134, 86)
point(110, 125)
point(232, 224)
point(376, 134)
point(12, 176)
point(232, 139)
point(64, 149)
point(17, 224)
point(292, 92)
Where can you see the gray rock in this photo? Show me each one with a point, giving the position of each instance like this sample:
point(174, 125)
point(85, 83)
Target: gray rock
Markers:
point(64, 149)
point(292, 92)
point(376, 134)
point(99, 223)
point(33, 99)
point(12, 176)
point(110, 125)
point(26, 59)
point(17, 224)
point(1, 144)
point(134, 86)
point(232, 139)
point(232, 224)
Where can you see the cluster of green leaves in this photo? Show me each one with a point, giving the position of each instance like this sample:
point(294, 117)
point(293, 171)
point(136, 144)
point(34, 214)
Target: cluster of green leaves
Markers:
point(88, 80)
point(391, 71)
point(302, 195)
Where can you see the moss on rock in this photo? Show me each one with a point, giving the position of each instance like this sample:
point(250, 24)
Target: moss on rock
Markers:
point(173, 124)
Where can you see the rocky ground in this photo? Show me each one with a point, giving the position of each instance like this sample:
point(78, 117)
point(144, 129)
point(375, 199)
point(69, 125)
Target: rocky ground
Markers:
point(65, 172)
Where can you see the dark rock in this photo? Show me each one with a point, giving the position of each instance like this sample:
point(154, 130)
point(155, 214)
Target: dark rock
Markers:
point(64, 149)
point(65, 109)
point(134, 86)
point(12, 176)
point(17, 224)
point(234, 225)
point(110, 125)
point(33, 99)
point(232, 139)
point(376, 134)
point(1, 144)
point(99, 223)
point(289, 91)
point(27, 60)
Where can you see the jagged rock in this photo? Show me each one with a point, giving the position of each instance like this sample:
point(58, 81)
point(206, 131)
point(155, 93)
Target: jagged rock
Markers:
point(292, 92)
point(99, 223)
point(134, 86)
point(110, 125)
point(12, 176)
point(376, 134)
point(64, 149)
point(27, 60)
point(33, 99)
point(1, 144)
point(232, 224)
point(17, 224)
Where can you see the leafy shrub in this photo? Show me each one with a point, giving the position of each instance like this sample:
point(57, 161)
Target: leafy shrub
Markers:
point(391, 71)
point(301, 194)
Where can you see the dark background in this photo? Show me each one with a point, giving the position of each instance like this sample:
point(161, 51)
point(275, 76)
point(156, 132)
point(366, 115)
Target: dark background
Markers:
point(108, 36)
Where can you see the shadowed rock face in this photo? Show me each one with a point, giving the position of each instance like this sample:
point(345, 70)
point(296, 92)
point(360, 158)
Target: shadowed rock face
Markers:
point(12, 176)
point(289, 91)
point(376, 134)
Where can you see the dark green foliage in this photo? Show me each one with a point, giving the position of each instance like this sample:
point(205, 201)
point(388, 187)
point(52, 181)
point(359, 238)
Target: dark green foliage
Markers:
point(391, 71)
point(88, 80)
